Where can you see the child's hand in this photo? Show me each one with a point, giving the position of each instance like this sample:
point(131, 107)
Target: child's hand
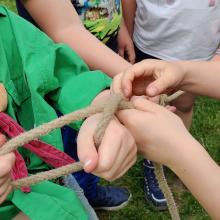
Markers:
point(125, 44)
point(149, 77)
point(115, 155)
point(156, 130)
point(6, 164)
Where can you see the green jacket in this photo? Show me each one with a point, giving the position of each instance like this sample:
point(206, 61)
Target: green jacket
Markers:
point(41, 76)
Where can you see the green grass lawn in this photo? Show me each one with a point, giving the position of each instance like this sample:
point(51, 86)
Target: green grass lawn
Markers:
point(206, 128)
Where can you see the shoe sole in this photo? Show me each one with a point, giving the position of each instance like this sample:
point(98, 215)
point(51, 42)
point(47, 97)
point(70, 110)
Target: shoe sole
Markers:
point(115, 208)
point(154, 206)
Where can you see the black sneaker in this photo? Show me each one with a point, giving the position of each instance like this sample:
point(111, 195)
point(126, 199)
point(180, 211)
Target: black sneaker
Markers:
point(110, 198)
point(152, 190)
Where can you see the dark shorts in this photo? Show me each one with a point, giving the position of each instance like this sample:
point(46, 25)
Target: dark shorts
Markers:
point(142, 56)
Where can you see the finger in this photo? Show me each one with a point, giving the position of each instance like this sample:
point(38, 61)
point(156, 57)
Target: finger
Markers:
point(146, 105)
point(86, 149)
point(110, 146)
point(171, 108)
point(4, 178)
point(4, 186)
point(131, 157)
point(121, 52)
point(116, 84)
point(155, 99)
point(120, 167)
point(143, 68)
point(6, 163)
point(5, 194)
point(159, 86)
point(126, 154)
point(125, 169)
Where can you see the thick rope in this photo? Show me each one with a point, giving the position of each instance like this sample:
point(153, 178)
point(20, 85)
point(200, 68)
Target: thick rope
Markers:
point(108, 113)
point(115, 103)
point(158, 169)
point(44, 129)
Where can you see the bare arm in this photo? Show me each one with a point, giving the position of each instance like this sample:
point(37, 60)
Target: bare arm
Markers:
point(61, 22)
point(129, 10)
point(168, 142)
point(201, 175)
point(202, 78)
point(153, 77)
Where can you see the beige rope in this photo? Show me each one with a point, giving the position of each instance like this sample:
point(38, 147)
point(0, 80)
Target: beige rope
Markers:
point(108, 109)
point(158, 169)
point(44, 129)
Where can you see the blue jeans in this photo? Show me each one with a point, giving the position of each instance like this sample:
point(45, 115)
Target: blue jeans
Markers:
point(70, 182)
point(88, 182)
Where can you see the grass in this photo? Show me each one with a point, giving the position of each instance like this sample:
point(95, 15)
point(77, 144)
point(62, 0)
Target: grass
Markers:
point(206, 129)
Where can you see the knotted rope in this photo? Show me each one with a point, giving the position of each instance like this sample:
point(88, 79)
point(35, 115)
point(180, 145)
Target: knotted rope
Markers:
point(109, 108)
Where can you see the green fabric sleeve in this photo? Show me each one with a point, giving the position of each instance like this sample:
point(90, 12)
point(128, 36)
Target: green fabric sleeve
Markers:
point(53, 72)
point(79, 91)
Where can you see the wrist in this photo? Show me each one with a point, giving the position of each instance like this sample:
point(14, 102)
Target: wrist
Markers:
point(186, 68)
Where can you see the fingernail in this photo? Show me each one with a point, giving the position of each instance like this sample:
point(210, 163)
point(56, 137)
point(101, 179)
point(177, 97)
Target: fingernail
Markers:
point(126, 92)
point(87, 163)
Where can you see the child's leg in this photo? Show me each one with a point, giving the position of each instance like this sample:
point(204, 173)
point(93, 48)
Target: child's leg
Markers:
point(20, 216)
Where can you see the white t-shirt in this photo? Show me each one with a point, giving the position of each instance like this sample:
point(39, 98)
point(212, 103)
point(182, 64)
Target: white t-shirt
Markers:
point(178, 29)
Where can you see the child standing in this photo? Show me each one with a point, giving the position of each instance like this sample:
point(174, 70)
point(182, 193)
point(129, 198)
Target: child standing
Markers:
point(40, 76)
point(173, 30)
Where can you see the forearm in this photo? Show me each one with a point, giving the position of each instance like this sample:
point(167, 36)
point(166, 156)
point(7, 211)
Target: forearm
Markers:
point(63, 25)
point(93, 52)
point(201, 175)
point(129, 11)
point(202, 78)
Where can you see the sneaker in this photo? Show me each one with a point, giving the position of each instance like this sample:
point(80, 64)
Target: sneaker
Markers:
point(152, 190)
point(110, 198)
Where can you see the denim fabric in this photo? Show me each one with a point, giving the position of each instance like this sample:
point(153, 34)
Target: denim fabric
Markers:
point(70, 182)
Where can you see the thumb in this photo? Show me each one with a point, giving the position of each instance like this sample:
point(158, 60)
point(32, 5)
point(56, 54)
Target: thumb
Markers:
point(127, 117)
point(158, 86)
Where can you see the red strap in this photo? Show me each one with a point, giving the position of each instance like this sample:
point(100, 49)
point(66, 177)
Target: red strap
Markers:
point(46, 152)
point(20, 170)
